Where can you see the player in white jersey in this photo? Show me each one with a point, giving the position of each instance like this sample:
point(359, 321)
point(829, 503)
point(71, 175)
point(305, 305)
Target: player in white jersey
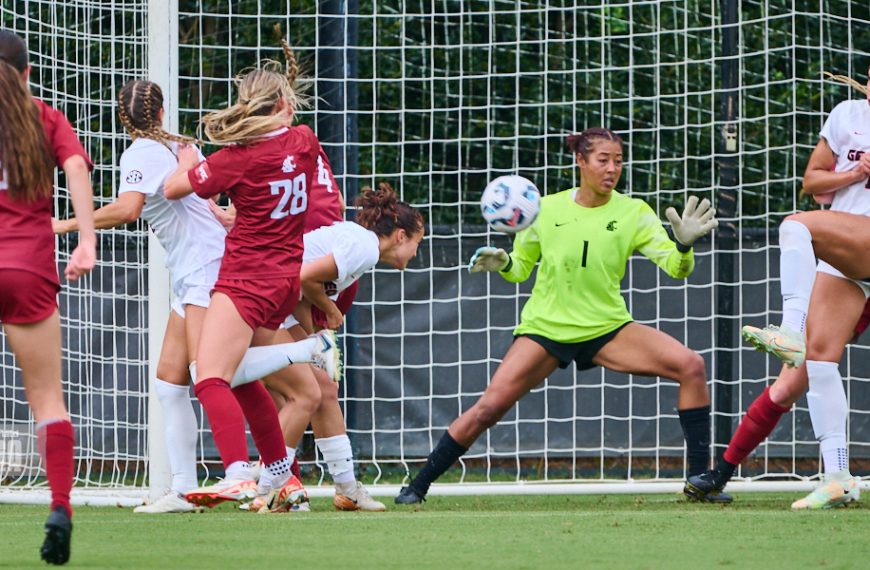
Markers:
point(194, 242)
point(822, 303)
point(388, 231)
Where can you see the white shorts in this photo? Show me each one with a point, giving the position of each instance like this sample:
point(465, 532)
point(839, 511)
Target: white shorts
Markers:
point(195, 287)
point(825, 267)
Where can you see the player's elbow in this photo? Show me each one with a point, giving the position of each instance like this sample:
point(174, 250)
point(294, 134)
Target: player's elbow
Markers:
point(75, 166)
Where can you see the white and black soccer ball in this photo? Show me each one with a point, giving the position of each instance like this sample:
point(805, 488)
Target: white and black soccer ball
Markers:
point(510, 204)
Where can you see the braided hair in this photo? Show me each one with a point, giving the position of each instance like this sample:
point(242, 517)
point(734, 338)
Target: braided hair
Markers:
point(260, 90)
point(848, 81)
point(139, 104)
point(382, 212)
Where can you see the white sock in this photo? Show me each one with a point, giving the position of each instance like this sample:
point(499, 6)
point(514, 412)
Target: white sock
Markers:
point(829, 412)
point(261, 361)
point(279, 472)
point(180, 432)
point(239, 470)
point(291, 453)
point(797, 272)
point(338, 455)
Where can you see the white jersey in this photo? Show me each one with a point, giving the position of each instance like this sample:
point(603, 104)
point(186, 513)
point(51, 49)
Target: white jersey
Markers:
point(847, 131)
point(354, 248)
point(186, 228)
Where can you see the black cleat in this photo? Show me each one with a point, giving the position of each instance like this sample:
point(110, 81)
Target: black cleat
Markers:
point(704, 488)
point(408, 496)
point(58, 530)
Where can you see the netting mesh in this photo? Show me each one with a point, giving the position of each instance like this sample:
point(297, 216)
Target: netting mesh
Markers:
point(438, 98)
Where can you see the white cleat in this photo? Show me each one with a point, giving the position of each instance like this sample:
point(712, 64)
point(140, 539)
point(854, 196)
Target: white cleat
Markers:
point(833, 492)
point(328, 356)
point(355, 498)
point(171, 502)
point(782, 342)
point(225, 490)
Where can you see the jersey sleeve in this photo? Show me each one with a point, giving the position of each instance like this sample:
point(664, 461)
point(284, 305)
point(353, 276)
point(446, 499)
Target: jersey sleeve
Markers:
point(144, 170)
point(217, 173)
point(525, 254)
point(652, 241)
point(353, 255)
point(62, 138)
point(834, 129)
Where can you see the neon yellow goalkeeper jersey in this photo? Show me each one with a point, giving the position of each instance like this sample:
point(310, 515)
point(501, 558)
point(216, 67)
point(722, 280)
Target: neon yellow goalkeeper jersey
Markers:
point(583, 253)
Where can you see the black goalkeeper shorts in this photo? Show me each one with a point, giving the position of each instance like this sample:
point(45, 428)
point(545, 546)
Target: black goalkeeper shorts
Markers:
point(581, 353)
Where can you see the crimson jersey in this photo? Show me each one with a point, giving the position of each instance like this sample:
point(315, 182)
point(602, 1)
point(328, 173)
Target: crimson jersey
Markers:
point(324, 200)
point(268, 182)
point(26, 238)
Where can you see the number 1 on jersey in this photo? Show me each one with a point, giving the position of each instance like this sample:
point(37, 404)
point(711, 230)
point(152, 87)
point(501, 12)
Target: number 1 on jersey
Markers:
point(585, 251)
point(292, 191)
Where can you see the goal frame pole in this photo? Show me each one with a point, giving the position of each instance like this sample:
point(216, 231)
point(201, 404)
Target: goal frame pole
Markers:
point(163, 70)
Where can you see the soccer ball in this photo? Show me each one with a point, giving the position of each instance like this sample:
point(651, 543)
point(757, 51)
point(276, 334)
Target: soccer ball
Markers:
point(510, 204)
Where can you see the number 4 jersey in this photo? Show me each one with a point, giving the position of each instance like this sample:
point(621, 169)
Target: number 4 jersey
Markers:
point(268, 182)
point(583, 254)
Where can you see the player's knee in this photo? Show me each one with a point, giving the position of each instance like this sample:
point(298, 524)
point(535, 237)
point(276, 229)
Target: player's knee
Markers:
point(487, 414)
point(173, 375)
point(824, 348)
point(308, 403)
point(693, 369)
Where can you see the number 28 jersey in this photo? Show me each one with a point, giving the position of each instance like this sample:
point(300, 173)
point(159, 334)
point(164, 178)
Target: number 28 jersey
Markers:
point(583, 253)
point(268, 182)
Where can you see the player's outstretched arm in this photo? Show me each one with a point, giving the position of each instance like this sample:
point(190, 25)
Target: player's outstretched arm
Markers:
point(84, 256)
point(696, 222)
point(126, 209)
point(178, 185)
point(489, 259)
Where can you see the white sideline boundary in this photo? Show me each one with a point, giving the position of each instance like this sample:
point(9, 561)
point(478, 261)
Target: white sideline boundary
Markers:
point(128, 498)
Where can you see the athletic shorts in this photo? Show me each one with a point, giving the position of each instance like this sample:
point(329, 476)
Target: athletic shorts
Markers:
point(195, 287)
point(581, 353)
point(26, 297)
point(864, 284)
point(344, 302)
point(262, 302)
point(862, 323)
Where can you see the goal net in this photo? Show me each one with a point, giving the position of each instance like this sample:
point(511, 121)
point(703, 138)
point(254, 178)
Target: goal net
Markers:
point(438, 98)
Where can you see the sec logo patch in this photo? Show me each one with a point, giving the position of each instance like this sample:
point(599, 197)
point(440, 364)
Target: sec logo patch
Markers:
point(134, 177)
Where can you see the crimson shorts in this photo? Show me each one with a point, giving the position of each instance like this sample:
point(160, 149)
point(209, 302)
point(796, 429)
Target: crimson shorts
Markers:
point(26, 297)
point(344, 303)
point(262, 302)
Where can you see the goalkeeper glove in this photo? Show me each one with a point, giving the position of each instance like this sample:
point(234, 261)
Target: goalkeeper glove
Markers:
point(697, 221)
point(489, 259)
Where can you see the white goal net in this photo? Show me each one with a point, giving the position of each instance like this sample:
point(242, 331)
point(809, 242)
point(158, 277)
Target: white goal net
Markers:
point(437, 98)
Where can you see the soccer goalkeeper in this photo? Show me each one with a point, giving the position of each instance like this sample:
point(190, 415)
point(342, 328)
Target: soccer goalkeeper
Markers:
point(583, 238)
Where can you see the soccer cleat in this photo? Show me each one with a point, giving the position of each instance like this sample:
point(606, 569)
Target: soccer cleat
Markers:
point(704, 488)
point(171, 502)
point(409, 496)
point(831, 493)
point(356, 499)
point(58, 530)
point(782, 342)
point(291, 497)
point(225, 490)
point(328, 356)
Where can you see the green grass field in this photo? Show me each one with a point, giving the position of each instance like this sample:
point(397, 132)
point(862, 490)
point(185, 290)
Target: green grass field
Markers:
point(616, 531)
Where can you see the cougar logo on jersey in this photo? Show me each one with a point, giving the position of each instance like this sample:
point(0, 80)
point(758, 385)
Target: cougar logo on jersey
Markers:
point(289, 164)
point(330, 288)
point(135, 177)
point(611, 226)
point(202, 172)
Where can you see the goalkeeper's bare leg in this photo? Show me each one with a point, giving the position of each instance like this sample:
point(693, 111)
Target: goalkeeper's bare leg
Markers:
point(525, 365)
point(640, 349)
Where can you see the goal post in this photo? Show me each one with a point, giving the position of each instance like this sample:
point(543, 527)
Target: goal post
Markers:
point(439, 98)
point(163, 70)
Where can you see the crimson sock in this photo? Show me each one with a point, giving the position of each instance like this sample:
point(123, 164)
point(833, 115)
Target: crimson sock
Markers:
point(262, 416)
point(760, 419)
point(226, 419)
point(56, 441)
